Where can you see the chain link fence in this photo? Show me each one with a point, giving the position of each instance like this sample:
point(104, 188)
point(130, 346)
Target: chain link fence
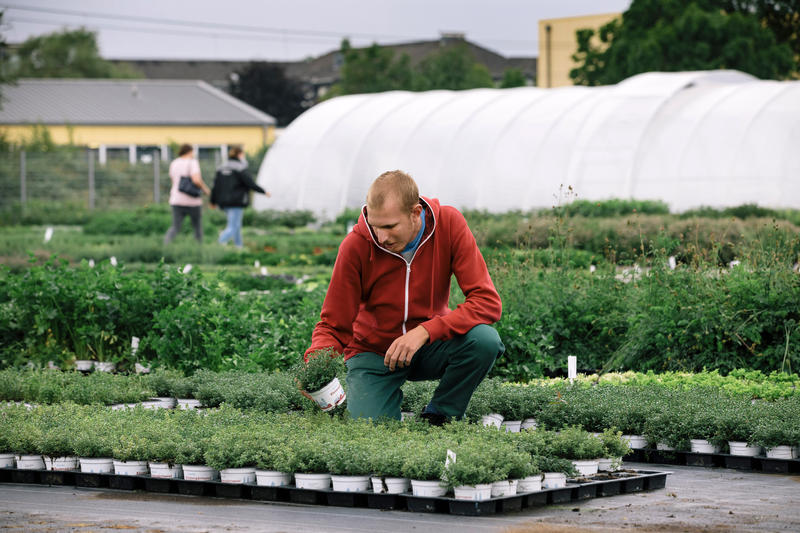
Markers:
point(74, 177)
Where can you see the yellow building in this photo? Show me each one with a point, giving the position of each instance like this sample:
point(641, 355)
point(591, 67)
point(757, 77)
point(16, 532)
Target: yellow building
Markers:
point(132, 118)
point(557, 44)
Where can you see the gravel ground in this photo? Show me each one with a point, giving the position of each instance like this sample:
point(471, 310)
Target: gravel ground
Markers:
point(694, 500)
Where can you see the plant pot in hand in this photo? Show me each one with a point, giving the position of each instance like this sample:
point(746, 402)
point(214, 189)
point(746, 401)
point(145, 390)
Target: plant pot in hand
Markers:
point(317, 376)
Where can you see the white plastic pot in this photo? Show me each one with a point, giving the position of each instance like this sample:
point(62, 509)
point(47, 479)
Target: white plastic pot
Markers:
point(512, 426)
point(702, 446)
point(406, 415)
point(97, 465)
point(103, 366)
point(507, 487)
point(6, 460)
point(530, 484)
point(782, 452)
point(636, 442)
point(528, 423)
point(350, 483)
point(237, 475)
point(188, 403)
point(165, 471)
point(390, 485)
point(141, 369)
point(60, 464)
point(492, 419)
point(30, 462)
point(554, 480)
point(474, 493)
point(431, 489)
point(609, 464)
point(743, 449)
point(272, 478)
point(199, 473)
point(586, 468)
point(664, 447)
point(329, 396)
point(312, 481)
point(130, 468)
point(84, 365)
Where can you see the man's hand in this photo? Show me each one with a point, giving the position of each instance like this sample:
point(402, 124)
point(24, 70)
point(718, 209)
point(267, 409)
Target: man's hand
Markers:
point(403, 348)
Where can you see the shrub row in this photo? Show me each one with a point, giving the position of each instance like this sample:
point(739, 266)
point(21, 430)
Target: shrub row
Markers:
point(185, 321)
point(664, 320)
point(231, 438)
point(662, 413)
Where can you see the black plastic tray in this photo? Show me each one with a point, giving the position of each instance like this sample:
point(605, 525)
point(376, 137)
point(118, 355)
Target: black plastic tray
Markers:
point(724, 460)
point(576, 490)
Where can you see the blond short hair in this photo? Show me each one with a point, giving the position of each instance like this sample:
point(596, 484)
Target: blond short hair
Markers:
point(394, 183)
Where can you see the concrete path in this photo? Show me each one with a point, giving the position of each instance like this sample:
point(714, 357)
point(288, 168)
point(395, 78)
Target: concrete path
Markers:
point(695, 500)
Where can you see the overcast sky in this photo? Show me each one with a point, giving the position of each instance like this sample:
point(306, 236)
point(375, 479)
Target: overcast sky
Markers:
point(288, 29)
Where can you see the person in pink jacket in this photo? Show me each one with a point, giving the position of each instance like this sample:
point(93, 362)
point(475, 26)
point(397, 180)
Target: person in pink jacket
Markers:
point(387, 310)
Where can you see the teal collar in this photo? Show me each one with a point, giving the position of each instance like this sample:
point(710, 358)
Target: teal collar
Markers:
point(413, 244)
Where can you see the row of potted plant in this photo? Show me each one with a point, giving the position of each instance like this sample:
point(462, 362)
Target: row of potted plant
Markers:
point(315, 449)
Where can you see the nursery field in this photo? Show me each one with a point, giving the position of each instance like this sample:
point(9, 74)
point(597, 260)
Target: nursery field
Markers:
point(685, 328)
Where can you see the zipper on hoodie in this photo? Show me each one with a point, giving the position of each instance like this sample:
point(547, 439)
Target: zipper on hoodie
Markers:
point(408, 263)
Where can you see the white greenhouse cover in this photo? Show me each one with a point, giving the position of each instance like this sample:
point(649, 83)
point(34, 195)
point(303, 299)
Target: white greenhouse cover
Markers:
point(717, 138)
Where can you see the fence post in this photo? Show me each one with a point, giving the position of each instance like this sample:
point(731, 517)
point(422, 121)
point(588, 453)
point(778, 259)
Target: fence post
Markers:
point(156, 176)
point(91, 179)
point(23, 192)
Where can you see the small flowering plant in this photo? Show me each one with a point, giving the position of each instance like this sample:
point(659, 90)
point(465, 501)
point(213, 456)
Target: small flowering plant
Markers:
point(318, 370)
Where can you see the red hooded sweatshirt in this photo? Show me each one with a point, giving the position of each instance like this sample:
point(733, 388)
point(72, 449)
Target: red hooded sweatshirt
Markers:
point(375, 295)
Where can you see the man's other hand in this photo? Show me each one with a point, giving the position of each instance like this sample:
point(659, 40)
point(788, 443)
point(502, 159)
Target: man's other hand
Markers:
point(403, 348)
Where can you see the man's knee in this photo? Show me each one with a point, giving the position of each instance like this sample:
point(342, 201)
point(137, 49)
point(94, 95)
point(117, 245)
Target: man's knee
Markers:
point(486, 342)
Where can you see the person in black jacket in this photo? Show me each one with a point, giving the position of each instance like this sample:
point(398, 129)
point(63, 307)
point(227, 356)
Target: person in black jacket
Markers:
point(231, 192)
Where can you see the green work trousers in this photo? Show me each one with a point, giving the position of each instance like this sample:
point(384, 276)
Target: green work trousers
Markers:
point(460, 364)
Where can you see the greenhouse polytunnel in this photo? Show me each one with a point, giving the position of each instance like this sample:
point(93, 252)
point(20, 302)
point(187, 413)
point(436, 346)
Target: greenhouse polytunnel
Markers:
point(716, 138)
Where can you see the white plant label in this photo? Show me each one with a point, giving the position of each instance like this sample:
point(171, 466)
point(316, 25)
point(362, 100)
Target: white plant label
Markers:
point(187, 268)
point(257, 263)
point(134, 345)
point(48, 234)
point(451, 458)
point(91, 263)
point(572, 367)
point(113, 261)
point(592, 268)
point(263, 271)
point(672, 262)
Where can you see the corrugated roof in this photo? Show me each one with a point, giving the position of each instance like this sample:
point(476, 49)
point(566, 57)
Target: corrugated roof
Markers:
point(124, 102)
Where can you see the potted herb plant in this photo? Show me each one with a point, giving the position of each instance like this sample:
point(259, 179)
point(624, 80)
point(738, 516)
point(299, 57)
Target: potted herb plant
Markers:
point(615, 448)
point(555, 471)
point(387, 467)
point(317, 377)
point(233, 452)
point(471, 473)
point(424, 465)
point(350, 463)
point(581, 447)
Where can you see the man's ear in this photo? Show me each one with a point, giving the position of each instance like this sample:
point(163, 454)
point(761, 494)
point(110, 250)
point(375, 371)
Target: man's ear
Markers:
point(416, 210)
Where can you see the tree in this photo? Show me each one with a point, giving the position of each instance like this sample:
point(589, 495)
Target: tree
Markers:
point(376, 69)
point(452, 68)
point(513, 77)
point(65, 54)
point(780, 16)
point(674, 35)
point(372, 70)
point(6, 76)
point(266, 87)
